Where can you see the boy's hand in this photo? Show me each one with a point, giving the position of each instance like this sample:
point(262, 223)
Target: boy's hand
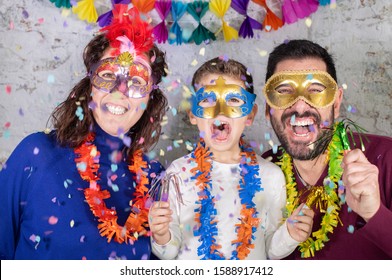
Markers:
point(159, 220)
point(300, 223)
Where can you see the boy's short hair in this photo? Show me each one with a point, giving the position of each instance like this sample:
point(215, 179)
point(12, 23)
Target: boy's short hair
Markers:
point(228, 67)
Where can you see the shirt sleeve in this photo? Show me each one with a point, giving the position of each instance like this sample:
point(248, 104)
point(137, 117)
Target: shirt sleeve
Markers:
point(279, 243)
point(171, 249)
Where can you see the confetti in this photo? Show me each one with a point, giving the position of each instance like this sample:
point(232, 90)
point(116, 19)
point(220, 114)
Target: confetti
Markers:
point(53, 220)
point(36, 151)
point(72, 223)
point(308, 22)
point(194, 62)
point(202, 51)
point(344, 86)
point(350, 229)
point(51, 79)
point(267, 136)
point(8, 89)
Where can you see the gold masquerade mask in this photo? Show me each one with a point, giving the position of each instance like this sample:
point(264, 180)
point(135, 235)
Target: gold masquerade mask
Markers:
point(284, 89)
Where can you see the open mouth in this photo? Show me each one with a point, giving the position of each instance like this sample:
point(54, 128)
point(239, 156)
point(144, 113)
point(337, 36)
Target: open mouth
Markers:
point(115, 109)
point(302, 127)
point(220, 130)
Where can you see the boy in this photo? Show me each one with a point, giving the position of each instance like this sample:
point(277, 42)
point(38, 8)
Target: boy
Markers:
point(233, 199)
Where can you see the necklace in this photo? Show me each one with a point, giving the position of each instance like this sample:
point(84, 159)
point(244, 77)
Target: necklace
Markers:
point(324, 197)
point(87, 163)
point(308, 186)
point(249, 184)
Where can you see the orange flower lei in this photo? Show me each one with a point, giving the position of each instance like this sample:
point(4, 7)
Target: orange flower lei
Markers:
point(249, 184)
point(87, 163)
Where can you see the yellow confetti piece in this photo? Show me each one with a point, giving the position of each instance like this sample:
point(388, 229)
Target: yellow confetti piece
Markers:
point(202, 51)
point(72, 223)
point(194, 62)
point(333, 5)
point(185, 105)
point(308, 22)
point(93, 152)
point(344, 86)
point(65, 12)
point(263, 53)
point(161, 152)
point(164, 137)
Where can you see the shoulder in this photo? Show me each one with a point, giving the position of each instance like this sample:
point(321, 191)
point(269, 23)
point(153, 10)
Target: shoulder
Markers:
point(270, 172)
point(181, 164)
point(36, 144)
point(376, 147)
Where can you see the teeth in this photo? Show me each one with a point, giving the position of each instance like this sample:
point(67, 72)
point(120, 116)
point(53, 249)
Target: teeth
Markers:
point(115, 110)
point(295, 122)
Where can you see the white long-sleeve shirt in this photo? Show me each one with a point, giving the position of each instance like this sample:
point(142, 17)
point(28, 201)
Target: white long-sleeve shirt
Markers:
point(272, 240)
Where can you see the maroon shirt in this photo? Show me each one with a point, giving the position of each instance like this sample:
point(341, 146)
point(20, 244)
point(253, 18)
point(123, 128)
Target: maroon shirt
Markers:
point(371, 240)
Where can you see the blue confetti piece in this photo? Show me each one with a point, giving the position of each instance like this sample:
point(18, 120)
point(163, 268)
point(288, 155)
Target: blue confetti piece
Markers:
point(275, 149)
point(350, 229)
point(267, 136)
point(115, 188)
point(309, 77)
point(51, 79)
point(143, 106)
point(261, 147)
point(114, 167)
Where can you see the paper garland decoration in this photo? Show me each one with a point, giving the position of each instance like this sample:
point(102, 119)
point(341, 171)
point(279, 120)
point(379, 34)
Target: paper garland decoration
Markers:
point(168, 29)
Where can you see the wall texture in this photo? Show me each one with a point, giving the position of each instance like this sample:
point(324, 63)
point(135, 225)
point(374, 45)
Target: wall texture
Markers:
point(41, 49)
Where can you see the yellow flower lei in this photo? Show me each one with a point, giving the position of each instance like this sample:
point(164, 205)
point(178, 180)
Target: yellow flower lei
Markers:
point(329, 196)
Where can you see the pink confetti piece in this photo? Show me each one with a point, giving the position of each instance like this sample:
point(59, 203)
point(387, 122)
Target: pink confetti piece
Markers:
point(41, 20)
point(53, 220)
point(141, 140)
point(7, 125)
point(11, 25)
point(8, 89)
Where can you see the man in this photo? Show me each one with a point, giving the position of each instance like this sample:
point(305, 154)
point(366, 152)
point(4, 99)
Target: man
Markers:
point(349, 189)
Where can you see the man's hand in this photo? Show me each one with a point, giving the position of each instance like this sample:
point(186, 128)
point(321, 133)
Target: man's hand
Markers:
point(360, 178)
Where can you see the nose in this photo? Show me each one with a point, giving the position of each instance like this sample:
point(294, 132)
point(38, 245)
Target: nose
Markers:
point(301, 106)
point(122, 87)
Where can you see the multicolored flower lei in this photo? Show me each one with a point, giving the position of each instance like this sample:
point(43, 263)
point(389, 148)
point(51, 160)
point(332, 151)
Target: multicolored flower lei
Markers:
point(327, 194)
point(87, 163)
point(249, 184)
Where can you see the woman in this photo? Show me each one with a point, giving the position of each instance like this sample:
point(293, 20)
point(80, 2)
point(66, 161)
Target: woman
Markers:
point(80, 191)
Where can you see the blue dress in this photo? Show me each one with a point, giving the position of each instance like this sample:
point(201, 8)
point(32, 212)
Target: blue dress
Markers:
point(43, 213)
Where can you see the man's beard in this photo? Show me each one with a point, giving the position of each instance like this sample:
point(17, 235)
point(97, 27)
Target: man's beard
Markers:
point(301, 150)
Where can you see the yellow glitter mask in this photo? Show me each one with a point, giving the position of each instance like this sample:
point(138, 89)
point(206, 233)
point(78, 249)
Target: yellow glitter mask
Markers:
point(284, 89)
